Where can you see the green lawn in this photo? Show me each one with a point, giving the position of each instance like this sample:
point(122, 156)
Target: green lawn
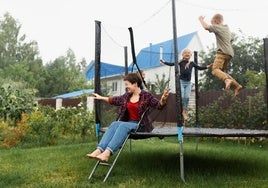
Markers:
point(151, 163)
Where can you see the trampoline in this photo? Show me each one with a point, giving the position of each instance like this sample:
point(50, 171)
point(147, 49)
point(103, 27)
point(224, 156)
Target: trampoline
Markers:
point(180, 132)
point(200, 132)
point(167, 131)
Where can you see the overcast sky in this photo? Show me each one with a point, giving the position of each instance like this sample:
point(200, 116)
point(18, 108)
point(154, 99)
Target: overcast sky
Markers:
point(61, 24)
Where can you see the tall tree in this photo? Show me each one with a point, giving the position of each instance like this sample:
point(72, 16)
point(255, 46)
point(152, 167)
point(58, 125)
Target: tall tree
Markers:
point(64, 75)
point(19, 60)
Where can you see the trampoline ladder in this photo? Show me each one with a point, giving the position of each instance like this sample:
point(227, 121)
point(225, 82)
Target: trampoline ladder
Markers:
point(110, 165)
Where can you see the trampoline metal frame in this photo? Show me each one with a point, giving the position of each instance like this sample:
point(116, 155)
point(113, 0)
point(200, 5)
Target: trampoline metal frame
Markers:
point(180, 132)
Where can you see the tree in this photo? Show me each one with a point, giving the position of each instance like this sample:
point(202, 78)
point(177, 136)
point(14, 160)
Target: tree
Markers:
point(255, 80)
point(159, 85)
point(19, 60)
point(64, 75)
point(9, 31)
point(248, 57)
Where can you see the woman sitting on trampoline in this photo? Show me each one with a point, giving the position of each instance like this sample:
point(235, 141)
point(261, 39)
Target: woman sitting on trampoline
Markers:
point(132, 105)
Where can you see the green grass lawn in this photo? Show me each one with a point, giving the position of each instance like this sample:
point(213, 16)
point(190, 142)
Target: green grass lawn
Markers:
point(151, 163)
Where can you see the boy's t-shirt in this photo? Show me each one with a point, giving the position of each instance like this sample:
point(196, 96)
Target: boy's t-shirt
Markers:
point(223, 38)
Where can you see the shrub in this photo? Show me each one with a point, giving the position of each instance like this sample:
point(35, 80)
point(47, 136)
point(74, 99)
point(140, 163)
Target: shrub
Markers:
point(47, 126)
point(15, 100)
point(10, 135)
point(249, 114)
point(42, 130)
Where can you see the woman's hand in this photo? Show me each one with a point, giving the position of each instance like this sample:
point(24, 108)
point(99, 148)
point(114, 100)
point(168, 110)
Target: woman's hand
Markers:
point(99, 97)
point(164, 97)
point(96, 96)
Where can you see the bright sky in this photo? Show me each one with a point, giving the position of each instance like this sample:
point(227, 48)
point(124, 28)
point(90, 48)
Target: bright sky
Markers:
point(61, 24)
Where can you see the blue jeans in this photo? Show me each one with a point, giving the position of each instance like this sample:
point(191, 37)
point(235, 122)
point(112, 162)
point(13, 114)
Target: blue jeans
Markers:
point(115, 135)
point(185, 93)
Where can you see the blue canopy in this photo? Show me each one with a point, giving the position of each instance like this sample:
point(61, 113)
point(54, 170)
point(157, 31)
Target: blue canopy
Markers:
point(74, 94)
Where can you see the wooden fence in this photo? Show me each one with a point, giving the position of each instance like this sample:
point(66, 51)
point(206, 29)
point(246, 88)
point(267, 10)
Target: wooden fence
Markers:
point(168, 114)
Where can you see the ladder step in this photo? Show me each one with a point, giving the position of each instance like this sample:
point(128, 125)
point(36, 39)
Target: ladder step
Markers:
point(105, 164)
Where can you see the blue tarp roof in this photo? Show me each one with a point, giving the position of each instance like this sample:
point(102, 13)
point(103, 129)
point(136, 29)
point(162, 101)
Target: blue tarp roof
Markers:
point(74, 94)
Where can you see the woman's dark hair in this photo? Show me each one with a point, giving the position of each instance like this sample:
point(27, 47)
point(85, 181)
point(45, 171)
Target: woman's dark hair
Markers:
point(133, 78)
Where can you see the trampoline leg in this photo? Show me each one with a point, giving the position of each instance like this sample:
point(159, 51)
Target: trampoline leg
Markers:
point(181, 162)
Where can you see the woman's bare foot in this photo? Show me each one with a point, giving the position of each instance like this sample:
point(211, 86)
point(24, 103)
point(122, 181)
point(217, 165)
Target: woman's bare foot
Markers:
point(94, 154)
point(104, 156)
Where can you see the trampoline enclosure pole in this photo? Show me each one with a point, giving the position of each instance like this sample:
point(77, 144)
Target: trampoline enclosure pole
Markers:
point(97, 75)
point(196, 98)
point(178, 91)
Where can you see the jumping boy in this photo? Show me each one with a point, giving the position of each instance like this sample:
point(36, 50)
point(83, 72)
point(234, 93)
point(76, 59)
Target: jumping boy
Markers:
point(224, 53)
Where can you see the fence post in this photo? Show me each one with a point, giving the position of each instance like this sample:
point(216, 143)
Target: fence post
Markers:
point(90, 104)
point(58, 103)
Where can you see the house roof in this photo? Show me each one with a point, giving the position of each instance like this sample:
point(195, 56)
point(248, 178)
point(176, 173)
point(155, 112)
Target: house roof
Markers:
point(74, 94)
point(106, 70)
point(147, 58)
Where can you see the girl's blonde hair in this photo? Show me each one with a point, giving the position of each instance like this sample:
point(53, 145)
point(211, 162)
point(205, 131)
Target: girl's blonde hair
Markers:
point(188, 63)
